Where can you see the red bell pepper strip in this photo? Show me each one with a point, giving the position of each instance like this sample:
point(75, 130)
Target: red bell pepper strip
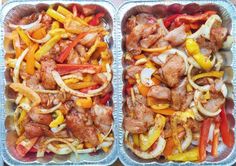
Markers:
point(193, 18)
point(127, 89)
point(170, 19)
point(63, 69)
point(226, 134)
point(96, 19)
point(65, 53)
point(105, 98)
point(205, 127)
point(24, 147)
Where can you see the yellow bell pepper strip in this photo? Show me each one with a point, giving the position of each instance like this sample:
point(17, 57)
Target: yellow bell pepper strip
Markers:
point(24, 146)
point(102, 46)
point(23, 36)
point(16, 43)
point(136, 139)
point(203, 61)
point(40, 33)
point(191, 155)
point(192, 47)
point(47, 46)
point(92, 50)
point(65, 53)
point(27, 92)
point(100, 138)
point(57, 16)
point(59, 119)
point(64, 11)
point(167, 111)
point(82, 85)
point(30, 61)
point(84, 102)
point(158, 50)
point(23, 114)
point(146, 141)
point(160, 106)
point(57, 31)
point(55, 25)
point(217, 74)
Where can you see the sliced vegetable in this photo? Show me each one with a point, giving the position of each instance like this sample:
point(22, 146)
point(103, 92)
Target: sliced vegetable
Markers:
point(27, 26)
point(164, 111)
point(24, 146)
point(30, 61)
point(215, 141)
point(159, 50)
point(16, 43)
point(205, 29)
point(57, 16)
point(217, 74)
point(23, 36)
point(47, 46)
point(64, 11)
point(16, 70)
point(92, 49)
point(65, 53)
point(226, 134)
point(194, 85)
point(96, 19)
point(191, 155)
point(59, 119)
point(84, 102)
point(146, 141)
point(105, 98)
point(63, 69)
point(27, 92)
point(170, 19)
point(205, 127)
point(159, 147)
point(90, 93)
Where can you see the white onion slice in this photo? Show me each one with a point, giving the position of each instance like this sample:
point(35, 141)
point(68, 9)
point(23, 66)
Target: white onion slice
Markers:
point(211, 132)
point(188, 139)
point(224, 90)
point(201, 109)
point(48, 111)
point(27, 26)
point(16, 71)
point(41, 151)
point(205, 29)
point(59, 150)
point(195, 86)
point(161, 143)
point(146, 76)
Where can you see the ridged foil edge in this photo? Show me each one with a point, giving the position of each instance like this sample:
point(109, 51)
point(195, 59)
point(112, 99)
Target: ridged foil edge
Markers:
point(124, 158)
point(6, 156)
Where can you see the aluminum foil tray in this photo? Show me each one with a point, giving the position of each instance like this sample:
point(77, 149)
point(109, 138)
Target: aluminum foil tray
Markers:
point(159, 8)
point(11, 12)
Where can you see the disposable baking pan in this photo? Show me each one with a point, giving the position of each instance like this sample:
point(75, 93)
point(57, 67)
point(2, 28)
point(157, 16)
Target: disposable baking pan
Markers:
point(227, 156)
point(10, 12)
